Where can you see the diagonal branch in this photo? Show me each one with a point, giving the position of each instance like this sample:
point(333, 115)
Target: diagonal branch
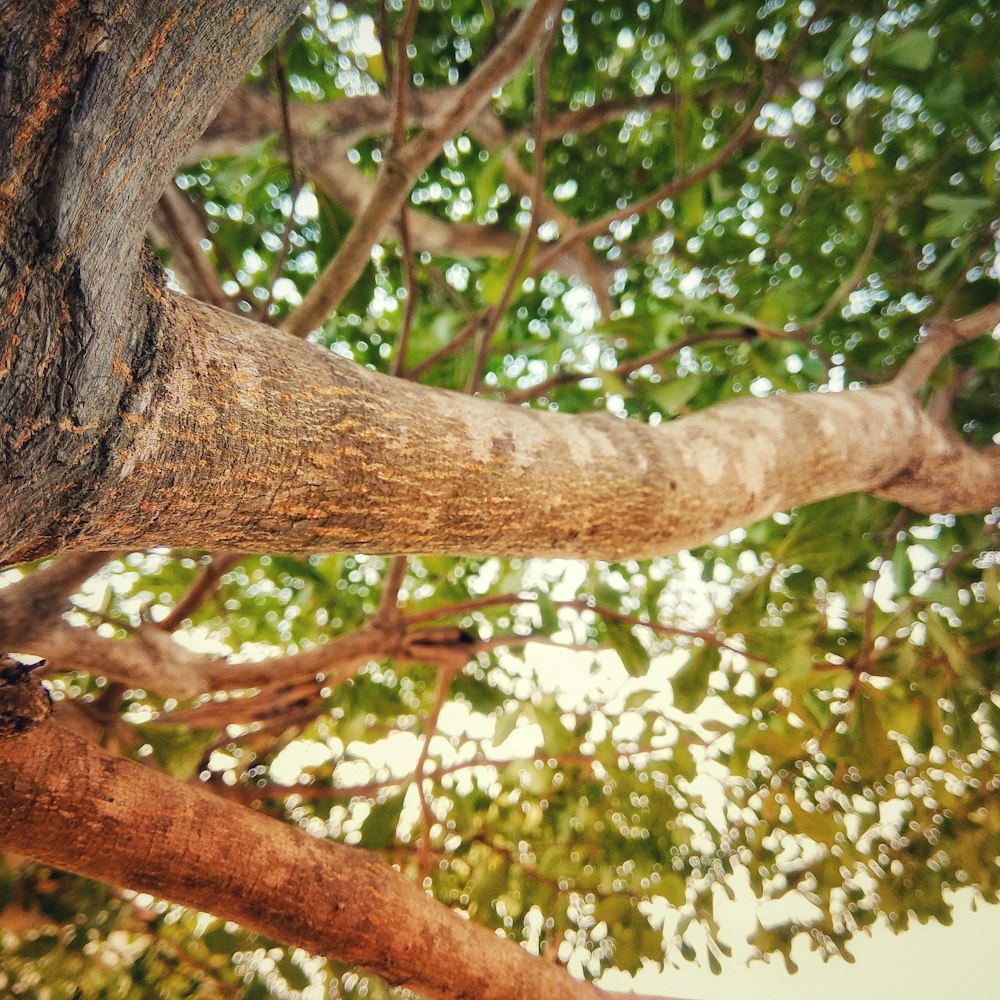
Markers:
point(943, 336)
point(64, 802)
point(403, 166)
point(488, 328)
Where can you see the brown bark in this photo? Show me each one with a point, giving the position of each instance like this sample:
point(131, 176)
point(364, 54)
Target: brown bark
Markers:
point(98, 103)
point(68, 804)
point(258, 442)
point(153, 420)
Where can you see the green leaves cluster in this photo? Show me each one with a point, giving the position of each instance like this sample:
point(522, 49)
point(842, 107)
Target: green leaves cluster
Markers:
point(823, 686)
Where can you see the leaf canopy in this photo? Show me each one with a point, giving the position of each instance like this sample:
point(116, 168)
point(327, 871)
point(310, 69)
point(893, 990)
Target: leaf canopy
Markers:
point(812, 702)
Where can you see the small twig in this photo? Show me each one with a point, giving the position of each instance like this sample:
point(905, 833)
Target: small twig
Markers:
point(626, 368)
point(942, 336)
point(206, 581)
point(743, 135)
point(847, 286)
point(400, 102)
point(444, 679)
point(177, 211)
point(455, 344)
point(488, 329)
point(296, 186)
point(388, 613)
point(462, 607)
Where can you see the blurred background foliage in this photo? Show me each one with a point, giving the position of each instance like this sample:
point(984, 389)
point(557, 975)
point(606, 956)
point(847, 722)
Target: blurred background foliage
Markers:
point(807, 709)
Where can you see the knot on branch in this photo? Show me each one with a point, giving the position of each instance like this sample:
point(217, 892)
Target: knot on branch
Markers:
point(448, 646)
point(24, 702)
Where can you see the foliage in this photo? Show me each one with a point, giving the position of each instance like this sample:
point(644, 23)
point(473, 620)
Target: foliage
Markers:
point(813, 702)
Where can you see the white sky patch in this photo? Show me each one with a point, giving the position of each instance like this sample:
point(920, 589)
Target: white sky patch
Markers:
point(290, 761)
point(306, 205)
point(580, 303)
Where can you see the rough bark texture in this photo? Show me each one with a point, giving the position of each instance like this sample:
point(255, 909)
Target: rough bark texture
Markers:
point(134, 417)
point(251, 439)
point(68, 804)
point(97, 103)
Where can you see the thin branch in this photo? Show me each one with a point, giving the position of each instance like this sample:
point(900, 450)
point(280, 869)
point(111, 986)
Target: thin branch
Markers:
point(463, 607)
point(512, 599)
point(743, 136)
point(850, 282)
point(942, 336)
point(444, 680)
point(514, 277)
point(296, 187)
point(206, 581)
point(177, 212)
point(626, 368)
point(388, 613)
point(455, 344)
point(400, 170)
point(401, 102)
point(317, 791)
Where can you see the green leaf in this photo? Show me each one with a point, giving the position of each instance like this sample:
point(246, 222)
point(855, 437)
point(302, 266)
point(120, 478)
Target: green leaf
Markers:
point(178, 750)
point(913, 50)
point(673, 394)
point(378, 831)
point(690, 683)
point(902, 568)
point(957, 203)
point(633, 654)
point(506, 723)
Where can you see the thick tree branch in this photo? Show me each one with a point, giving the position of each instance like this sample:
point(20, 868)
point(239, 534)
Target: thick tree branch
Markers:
point(226, 458)
point(68, 804)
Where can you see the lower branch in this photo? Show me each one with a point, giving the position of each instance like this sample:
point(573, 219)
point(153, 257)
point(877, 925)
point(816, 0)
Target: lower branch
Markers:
point(68, 804)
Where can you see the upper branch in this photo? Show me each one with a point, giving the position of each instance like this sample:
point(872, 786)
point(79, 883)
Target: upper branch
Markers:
point(107, 98)
point(403, 166)
point(943, 336)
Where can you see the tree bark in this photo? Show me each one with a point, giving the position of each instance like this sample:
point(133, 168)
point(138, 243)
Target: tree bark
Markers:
point(135, 417)
point(66, 803)
point(97, 104)
point(252, 440)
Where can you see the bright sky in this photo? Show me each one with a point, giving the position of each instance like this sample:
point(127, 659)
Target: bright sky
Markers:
point(925, 963)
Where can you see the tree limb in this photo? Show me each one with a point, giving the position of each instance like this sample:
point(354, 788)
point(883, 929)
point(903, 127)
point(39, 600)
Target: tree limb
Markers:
point(67, 803)
point(227, 459)
point(943, 336)
point(400, 170)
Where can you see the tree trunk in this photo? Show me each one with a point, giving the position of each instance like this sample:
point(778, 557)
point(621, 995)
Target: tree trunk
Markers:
point(97, 103)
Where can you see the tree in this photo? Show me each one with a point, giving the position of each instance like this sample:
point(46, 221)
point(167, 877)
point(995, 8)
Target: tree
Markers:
point(749, 256)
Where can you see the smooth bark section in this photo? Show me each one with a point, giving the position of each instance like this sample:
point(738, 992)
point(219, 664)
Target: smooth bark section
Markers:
point(257, 441)
point(68, 804)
